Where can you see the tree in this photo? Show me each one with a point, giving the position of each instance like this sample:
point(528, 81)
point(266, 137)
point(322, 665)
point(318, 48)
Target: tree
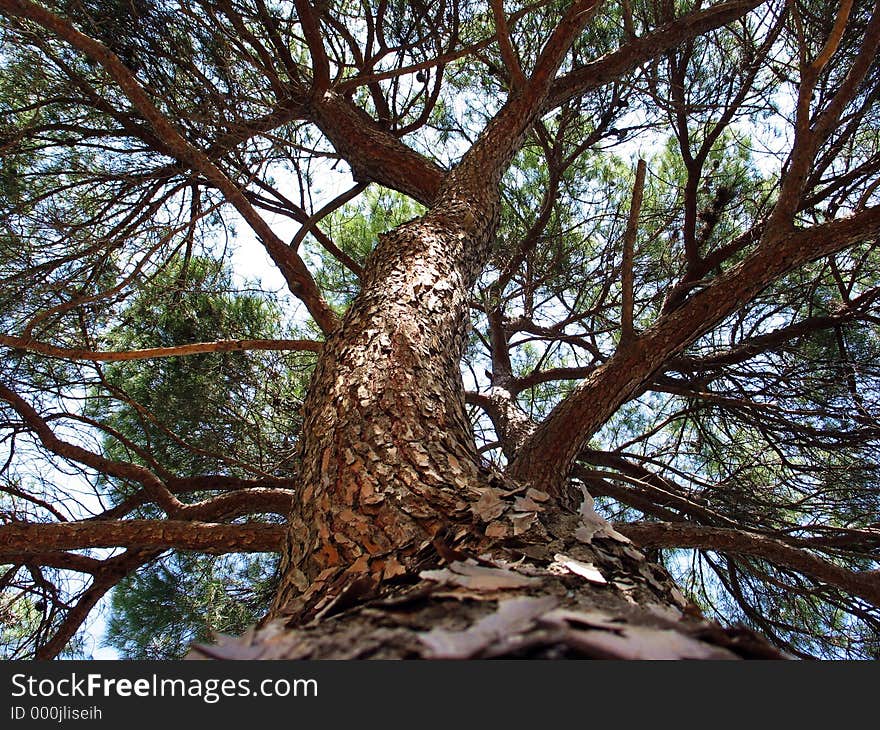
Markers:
point(544, 372)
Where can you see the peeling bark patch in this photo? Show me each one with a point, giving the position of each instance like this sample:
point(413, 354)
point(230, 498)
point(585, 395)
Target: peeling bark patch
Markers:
point(490, 505)
point(486, 605)
point(634, 642)
point(513, 616)
point(522, 522)
point(477, 577)
point(593, 525)
point(538, 621)
point(497, 530)
point(585, 570)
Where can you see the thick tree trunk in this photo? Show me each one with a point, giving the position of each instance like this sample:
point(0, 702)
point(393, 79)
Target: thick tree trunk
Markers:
point(405, 539)
point(395, 508)
point(388, 460)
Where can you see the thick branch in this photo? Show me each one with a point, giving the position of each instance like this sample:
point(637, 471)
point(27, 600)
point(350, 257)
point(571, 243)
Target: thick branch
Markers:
point(659, 490)
point(505, 45)
point(548, 455)
point(770, 341)
point(240, 502)
point(864, 584)
point(114, 571)
point(158, 491)
point(629, 242)
point(374, 154)
point(810, 133)
point(291, 265)
point(207, 537)
point(312, 31)
point(613, 65)
point(52, 559)
point(263, 495)
point(502, 137)
point(834, 38)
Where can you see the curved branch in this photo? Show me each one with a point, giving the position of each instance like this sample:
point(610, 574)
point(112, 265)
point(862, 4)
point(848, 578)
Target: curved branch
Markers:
point(114, 571)
point(50, 508)
point(312, 31)
point(550, 452)
point(234, 503)
point(599, 487)
point(158, 491)
point(372, 152)
point(53, 559)
point(865, 584)
point(505, 44)
point(311, 226)
point(240, 502)
point(656, 489)
point(489, 156)
point(759, 344)
point(612, 66)
point(263, 495)
point(297, 275)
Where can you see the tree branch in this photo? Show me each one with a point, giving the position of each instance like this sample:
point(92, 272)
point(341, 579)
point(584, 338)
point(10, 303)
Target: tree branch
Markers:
point(195, 348)
point(630, 56)
point(308, 19)
point(158, 491)
point(208, 537)
point(865, 584)
point(505, 45)
point(547, 456)
point(629, 241)
point(773, 340)
point(374, 154)
point(291, 265)
point(114, 570)
point(53, 559)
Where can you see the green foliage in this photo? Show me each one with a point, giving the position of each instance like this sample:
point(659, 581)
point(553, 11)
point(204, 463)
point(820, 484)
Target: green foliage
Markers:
point(19, 620)
point(161, 610)
point(214, 413)
point(229, 413)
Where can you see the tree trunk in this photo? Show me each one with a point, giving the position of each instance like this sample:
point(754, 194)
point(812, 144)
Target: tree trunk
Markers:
point(398, 530)
point(388, 460)
point(403, 536)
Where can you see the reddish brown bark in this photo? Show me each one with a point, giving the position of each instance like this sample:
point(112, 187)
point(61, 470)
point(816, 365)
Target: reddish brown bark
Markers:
point(210, 537)
point(865, 584)
point(387, 389)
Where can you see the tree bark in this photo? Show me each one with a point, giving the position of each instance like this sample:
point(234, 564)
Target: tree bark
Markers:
point(392, 488)
point(388, 458)
point(865, 584)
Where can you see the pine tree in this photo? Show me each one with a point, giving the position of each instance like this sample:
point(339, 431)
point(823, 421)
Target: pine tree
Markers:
point(570, 348)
